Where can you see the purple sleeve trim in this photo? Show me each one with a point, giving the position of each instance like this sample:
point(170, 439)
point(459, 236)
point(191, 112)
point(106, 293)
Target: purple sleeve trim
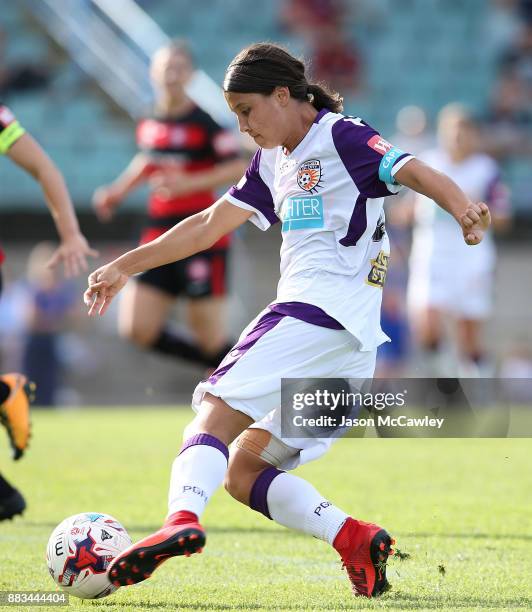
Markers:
point(360, 159)
point(206, 440)
point(258, 498)
point(253, 191)
point(306, 312)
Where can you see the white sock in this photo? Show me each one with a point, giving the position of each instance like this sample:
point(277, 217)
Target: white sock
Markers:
point(295, 503)
point(197, 472)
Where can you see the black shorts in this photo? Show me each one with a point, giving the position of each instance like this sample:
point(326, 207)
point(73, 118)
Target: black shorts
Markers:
point(202, 275)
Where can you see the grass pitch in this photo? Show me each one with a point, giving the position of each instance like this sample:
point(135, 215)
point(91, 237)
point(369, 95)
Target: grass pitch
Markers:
point(460, 508)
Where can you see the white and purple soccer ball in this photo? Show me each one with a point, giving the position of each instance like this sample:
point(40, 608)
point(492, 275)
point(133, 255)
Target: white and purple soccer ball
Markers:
point(80, 551)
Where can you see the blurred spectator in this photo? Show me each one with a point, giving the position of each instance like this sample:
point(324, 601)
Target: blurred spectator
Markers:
point(335, 60)
point(51, 301)
point(508, 123)
point(305, 17)
point(501, 24)
point(333, 57)
point(517, 59)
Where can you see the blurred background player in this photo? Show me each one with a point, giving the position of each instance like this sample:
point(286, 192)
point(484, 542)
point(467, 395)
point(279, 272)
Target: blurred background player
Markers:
point(447, 279)
point(73, 250)
point(185, 155)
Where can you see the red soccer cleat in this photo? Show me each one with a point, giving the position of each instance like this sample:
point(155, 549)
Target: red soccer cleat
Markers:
point(364, 548)
point(181, 534)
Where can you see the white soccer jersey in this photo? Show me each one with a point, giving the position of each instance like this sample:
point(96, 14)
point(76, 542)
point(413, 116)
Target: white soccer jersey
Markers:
point(328, 194)
point(437, 238)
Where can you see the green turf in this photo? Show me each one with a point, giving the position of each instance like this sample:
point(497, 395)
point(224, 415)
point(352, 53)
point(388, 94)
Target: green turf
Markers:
point(459, 507)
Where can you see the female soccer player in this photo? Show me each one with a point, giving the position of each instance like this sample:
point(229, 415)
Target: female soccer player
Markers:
point(446, 278)
point(187, 155)
point(73, 250)
point(324, 176)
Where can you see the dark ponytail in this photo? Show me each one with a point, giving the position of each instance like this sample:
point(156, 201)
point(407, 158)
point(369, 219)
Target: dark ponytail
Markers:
point(323, 97)
point(262, 67)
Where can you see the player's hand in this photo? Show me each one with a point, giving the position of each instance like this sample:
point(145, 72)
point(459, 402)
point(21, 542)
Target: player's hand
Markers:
point(104, 202)
point(73, 252)
point(104, 284)
point(170, 184)
point(475, 222)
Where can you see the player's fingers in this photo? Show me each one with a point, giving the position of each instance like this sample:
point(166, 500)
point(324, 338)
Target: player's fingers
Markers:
point(99, 286)
point(88, 296)
point(105, 305)
point(54, 260)
point(94, 304)
point(473, 215)
point(466, 221)
point(92, 252)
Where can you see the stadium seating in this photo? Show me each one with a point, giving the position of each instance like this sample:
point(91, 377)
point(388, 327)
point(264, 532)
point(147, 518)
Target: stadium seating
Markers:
point(91, 142)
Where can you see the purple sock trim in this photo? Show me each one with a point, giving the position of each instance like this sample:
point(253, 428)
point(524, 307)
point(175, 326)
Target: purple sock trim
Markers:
point(258, 497)
point(206, 440)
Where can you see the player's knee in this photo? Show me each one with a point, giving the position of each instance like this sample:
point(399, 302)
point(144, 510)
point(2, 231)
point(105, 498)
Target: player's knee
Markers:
point(137, 334)
point(239, 481)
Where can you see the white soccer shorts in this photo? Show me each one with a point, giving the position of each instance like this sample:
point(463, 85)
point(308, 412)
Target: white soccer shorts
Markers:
point(273, 347)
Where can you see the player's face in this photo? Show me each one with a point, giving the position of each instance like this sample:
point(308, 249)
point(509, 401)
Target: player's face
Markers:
point(170, 70)
point(262, 117)
point(458, 136)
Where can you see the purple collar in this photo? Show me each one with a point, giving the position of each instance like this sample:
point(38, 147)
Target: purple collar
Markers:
point(319, 116)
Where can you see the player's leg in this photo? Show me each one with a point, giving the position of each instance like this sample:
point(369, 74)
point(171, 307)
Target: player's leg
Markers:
point(11, 500)
point(143, 312)
point(206, 319)
point(473, 355)
point(197, 472)
point(255, 479)
point(471, 313)
point(204, 278)
point(430, 293)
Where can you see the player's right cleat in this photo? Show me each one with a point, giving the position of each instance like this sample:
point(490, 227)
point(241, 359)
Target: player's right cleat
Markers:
point(15, 412)
point(11, 505)
point(364, 548)
point(180, 535)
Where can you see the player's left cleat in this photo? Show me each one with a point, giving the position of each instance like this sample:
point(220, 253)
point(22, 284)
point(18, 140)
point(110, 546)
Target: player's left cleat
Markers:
point(180, 535)
point(11, 504)
point(15, 412)
point(364, 548)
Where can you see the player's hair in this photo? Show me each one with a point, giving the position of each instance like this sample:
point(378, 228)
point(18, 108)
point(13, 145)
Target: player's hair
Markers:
point(262, 67)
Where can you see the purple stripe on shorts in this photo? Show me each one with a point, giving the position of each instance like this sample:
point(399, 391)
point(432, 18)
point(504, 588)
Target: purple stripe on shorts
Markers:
point(306, 312)
point(266, 323)
point(259, 492)
point(206, 440)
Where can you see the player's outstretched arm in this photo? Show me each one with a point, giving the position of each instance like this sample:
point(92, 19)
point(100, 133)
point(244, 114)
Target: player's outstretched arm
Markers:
point(107, 198)
point(173, 182)
point(474, 218)
point(194, 234)
point(74, 248)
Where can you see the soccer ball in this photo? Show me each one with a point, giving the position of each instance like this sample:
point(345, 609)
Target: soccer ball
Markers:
point(81, 549)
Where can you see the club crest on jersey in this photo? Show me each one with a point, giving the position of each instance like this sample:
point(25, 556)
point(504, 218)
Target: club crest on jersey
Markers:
point(309, 175)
